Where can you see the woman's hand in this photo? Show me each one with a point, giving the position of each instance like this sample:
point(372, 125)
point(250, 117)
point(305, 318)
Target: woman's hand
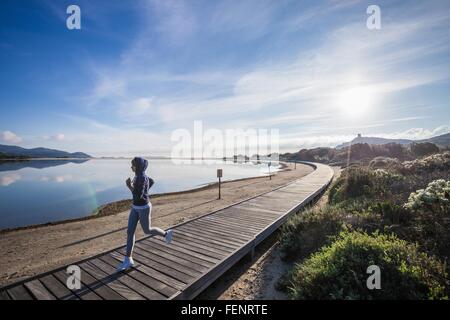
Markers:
point(128, 182)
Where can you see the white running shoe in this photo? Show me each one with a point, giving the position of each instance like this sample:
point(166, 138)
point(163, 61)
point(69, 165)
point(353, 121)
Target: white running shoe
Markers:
point(169, 235)
point(126, 264)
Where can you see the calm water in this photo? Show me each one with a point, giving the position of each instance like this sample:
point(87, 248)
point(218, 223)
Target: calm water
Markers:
point(43, 191)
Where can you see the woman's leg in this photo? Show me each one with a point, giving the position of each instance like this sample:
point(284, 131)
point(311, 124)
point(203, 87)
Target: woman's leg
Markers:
point(144, 218)
point(132, 224)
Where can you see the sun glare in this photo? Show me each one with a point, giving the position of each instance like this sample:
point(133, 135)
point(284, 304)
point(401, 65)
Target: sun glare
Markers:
point(355, 102)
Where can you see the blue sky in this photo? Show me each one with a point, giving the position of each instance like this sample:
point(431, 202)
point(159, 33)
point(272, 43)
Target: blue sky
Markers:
point(137, 70)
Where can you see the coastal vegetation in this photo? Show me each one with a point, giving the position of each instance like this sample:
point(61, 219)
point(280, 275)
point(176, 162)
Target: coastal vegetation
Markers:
point(386, 212)
point(363, 153)
point(7, 157)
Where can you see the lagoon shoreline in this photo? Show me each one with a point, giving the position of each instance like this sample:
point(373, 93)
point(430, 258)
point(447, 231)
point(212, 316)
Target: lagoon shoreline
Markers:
point(118, 206)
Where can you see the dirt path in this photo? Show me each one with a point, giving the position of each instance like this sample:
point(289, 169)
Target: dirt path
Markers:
point(35, 250)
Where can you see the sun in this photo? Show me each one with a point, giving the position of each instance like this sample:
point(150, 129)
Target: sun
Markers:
point(355, 102)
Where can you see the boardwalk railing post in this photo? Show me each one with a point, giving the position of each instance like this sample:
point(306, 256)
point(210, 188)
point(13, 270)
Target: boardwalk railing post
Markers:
point(219, 175)
point(252, 251)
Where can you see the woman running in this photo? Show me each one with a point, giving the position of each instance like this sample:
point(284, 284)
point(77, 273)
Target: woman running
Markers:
point(140, 210)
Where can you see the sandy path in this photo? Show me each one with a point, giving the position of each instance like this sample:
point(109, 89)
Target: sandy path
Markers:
point(35, 250)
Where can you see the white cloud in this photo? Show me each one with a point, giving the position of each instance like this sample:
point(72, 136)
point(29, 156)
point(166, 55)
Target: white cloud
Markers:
point(10, 137)
point(250, 19)
point(136, 108)
point(56, 137)
point(418, 133)
point(175, 19)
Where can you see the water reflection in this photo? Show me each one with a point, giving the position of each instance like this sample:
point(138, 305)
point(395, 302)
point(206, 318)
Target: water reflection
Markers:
point(9, 179)
point(36, 164)
point(41, 191)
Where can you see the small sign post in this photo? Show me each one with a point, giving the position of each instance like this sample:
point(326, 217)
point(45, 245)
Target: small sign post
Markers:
point(269, 164)
point(219, 175)
point(295, 168)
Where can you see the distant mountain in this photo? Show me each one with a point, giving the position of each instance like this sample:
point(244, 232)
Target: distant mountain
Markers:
point(442, 141)
point(373, 140)
point(40, 152)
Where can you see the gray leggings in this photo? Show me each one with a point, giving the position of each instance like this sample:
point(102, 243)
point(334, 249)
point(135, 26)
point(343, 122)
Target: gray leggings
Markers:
point(142, 215)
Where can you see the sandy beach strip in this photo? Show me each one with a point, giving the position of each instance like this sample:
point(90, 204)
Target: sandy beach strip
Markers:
point(30, 251)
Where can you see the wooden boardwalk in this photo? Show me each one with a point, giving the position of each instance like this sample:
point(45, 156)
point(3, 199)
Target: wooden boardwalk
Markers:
point(201, 251)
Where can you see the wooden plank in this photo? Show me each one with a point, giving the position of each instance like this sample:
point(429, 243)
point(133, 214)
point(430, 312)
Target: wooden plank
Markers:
point(237, 225)
point(243, 219)
point(298, 193)
point(166, 262)
point(60, 291)
point(208, 238)
point(84, 293)
point(224, 229)
point(201, 283)
point(202, 242)
point(174, 258)
point(4, 295)
point(232, 226)
point(245, 235)
point(180, 264)
point(114, 280)
point(283, 194)
point(256, 224)
point(173, 283)
point(38, 290)
point(254, 218)
point(98, 287)
point(252, 211)
point(207, 251)
point(250, 219)
point(281, 208)
point(213, 235)
point(244, 207)
point(233, 221)
point(197, 254)
point(19, 293)
point(155, 265)
point(145, 286)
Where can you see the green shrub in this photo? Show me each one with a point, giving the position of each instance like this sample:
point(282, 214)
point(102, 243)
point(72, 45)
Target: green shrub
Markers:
point(354, 182)
point(308, 231)
point(423, 149)
point(430, 222)
point(438, 162)
point(390, 213)
point(435, 198)
point(383, 163)
point(338, 271)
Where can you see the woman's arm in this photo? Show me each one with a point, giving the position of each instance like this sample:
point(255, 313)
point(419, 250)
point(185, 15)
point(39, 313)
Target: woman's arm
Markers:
point(129, 185)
